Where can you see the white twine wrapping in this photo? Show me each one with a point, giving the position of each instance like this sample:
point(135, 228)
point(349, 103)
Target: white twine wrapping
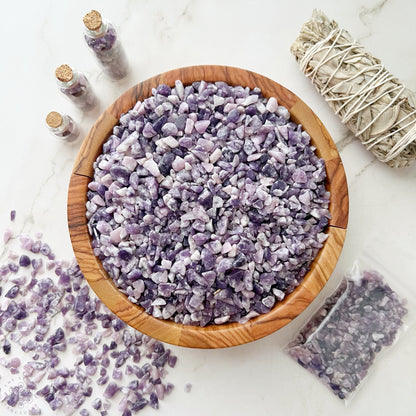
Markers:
point(370, 100)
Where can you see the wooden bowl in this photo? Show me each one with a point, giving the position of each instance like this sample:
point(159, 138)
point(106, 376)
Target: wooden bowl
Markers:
point(212, 336)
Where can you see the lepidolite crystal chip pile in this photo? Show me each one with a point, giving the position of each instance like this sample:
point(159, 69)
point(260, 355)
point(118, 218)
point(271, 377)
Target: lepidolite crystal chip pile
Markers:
point(341, 342)
point(208, 204)
point(64, 348)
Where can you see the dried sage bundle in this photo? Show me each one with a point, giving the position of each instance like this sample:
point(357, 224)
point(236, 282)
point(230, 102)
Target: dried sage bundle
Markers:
point(371, 101)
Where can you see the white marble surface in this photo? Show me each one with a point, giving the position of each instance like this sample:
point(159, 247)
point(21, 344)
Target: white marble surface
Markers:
point(256, 378)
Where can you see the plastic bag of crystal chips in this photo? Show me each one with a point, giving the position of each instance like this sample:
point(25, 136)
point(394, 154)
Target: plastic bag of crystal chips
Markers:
point(358, 322)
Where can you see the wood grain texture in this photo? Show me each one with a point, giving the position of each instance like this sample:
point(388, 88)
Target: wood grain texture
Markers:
point(213, 336)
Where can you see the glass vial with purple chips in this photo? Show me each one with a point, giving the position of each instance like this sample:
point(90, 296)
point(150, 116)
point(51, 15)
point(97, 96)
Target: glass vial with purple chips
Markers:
point(102, 38)
point(62, 126)
point(76, 87)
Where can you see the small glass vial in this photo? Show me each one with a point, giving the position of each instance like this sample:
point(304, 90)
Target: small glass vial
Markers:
point(62, 126)
point(101, 37)
point(76, 87)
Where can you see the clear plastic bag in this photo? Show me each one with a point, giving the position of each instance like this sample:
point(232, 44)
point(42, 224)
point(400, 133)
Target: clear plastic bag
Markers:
point(358, 322)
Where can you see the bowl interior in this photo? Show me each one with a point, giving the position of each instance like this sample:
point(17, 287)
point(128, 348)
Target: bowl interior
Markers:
point(230, 334)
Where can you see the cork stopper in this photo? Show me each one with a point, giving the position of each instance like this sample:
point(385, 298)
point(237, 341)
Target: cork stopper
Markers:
point(54, 119)
point(93, 20)
point(64, 73)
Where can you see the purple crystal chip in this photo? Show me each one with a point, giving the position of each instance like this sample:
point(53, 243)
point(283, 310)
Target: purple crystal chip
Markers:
point(24, 260)
point(12, 292)
point(139, 404)
point(35, 410)
point(96, 404)
point(13, 398)
point(111, 390)
point(154, 401)
point(6, 346)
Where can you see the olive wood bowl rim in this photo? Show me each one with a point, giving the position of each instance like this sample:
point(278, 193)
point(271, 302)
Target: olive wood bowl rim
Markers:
point(228, 334)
